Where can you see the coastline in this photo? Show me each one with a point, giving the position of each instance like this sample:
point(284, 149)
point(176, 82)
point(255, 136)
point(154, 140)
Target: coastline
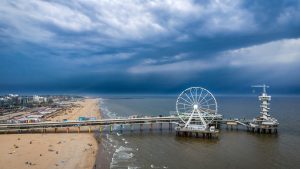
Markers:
point(53, 150)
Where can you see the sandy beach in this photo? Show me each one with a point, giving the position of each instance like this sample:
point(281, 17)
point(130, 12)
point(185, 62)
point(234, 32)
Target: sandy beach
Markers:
point(53, 150)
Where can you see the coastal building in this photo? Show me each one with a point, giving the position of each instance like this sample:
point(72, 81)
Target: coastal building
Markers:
point(39, 99)
point(24, 100)
point(30, 119)
point(13, 95)
point(36, 98)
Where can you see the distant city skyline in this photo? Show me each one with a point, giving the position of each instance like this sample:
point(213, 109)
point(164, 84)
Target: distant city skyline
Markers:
point(119, 47)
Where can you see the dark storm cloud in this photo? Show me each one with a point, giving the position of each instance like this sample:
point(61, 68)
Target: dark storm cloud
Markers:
point(149, 46)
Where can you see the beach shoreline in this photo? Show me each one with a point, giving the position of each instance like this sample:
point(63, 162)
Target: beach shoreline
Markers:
point(54, 150)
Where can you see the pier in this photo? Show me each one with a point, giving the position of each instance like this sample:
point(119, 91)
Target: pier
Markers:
point(196, 117)
point(146, 123)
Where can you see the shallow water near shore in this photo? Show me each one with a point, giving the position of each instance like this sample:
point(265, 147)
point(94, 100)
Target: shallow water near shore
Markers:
point(233, 149)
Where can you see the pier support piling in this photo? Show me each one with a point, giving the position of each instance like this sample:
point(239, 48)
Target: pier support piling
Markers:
point(100, 128)
point(170, 126)
point(131, 128)
point(141, 127)
point(111, 128)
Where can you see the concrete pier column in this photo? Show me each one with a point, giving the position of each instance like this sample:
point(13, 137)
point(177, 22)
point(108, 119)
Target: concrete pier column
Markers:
point(218, 125)
point(78, 129)
point(67, 129)
point(160, 126)
point(100, 128)
point(55, 130)
point(110, 127)
point(121, 128)
point(131, 128)
point(151, 126)
point(170, 126)
point(141, 127)
point(89, 129)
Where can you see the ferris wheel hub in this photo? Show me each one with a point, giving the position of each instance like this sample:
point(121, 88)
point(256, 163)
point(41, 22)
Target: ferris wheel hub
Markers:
point(195, 106)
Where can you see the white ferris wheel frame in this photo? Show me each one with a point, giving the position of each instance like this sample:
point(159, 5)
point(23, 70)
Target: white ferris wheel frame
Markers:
point(196, 106)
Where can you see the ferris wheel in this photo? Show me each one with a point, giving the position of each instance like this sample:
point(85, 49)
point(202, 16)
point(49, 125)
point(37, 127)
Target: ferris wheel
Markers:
point(196, 106)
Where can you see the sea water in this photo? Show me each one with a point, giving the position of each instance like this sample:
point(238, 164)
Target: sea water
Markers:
point(233, 149)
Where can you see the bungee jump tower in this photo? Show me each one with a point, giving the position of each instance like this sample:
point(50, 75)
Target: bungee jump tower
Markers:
point(264, 123)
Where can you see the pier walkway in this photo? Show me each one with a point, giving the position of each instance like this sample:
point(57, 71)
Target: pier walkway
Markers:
point(17, 127)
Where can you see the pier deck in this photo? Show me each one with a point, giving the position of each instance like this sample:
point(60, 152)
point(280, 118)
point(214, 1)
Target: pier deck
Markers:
point(28, 127)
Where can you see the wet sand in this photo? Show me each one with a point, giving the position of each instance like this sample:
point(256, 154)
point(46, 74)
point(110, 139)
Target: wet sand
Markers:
point(52, 150)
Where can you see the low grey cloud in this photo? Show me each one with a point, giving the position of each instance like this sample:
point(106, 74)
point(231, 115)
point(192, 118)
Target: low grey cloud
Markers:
point(170, 44)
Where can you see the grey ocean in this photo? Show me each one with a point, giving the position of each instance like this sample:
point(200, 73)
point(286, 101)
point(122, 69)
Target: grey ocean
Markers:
point(234, 148)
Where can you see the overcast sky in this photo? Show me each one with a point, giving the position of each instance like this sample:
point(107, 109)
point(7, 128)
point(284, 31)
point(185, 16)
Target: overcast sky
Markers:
point(158, 46)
